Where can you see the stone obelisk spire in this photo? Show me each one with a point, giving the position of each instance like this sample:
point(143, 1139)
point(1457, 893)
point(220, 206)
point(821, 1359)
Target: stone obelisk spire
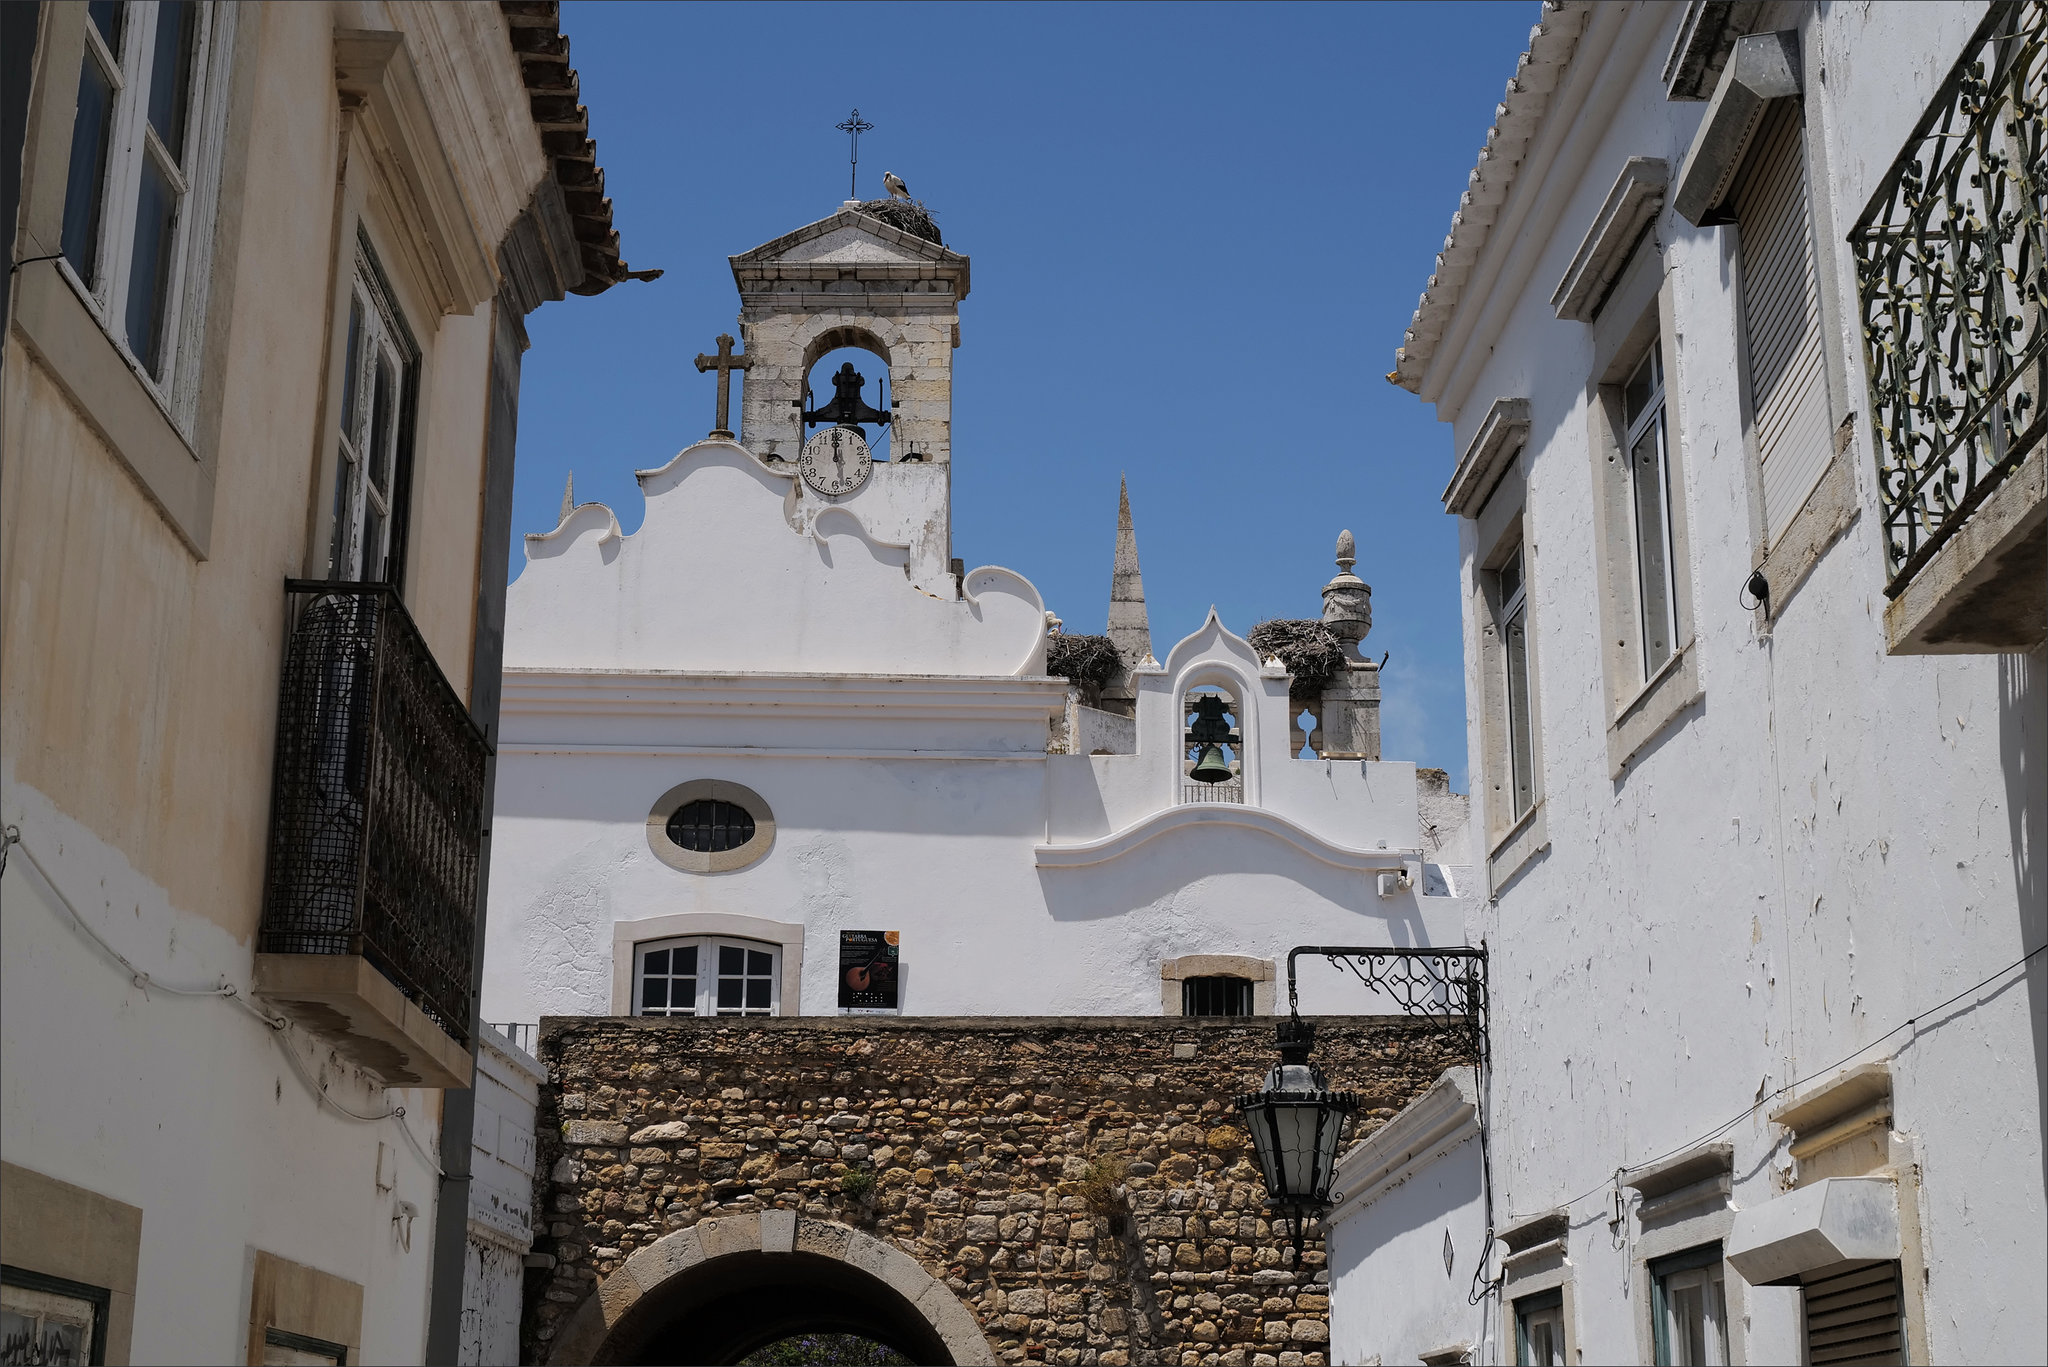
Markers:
point(1129, 630)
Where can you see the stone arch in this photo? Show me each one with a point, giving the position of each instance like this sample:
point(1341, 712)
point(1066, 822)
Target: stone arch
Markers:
point(835, 336)
point(723, 1287)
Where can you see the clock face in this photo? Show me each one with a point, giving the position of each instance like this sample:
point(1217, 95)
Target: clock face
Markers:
point(836, 461)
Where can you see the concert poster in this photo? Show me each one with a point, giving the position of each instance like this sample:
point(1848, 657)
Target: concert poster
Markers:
point(869, 970)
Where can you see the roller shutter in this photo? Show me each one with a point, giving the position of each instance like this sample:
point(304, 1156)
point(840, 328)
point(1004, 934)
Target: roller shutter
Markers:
point(1781, 316)
point(1853, 1316)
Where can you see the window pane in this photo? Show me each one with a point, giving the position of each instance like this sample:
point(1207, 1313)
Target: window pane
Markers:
point(729, 993)
point(382, 432)
point(1511, 577)
point(685, 960)
point(1520, 747)
point(732, 960)
point(654, 994)
point(86, 188)
point(759, 964)
point(340, 554)
point(657, 961)
point(1646, 464)
point(349, 383)
point(1641, 387)
point(149, 279)
point(170, 73)
point(757, 994)
point(107, 15)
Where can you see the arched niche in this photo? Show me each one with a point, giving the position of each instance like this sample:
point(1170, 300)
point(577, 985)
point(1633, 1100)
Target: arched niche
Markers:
point(851, 344)
point(724, 1287)
point(1211, 678)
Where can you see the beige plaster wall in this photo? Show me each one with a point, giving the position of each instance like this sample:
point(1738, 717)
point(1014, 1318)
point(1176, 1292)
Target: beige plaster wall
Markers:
point(140, 681)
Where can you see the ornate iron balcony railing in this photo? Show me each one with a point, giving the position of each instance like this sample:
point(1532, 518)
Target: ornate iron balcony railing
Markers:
point(1951, 273)
point(377, 798)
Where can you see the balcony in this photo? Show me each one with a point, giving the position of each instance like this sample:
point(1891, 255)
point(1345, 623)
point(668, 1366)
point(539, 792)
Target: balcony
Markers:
point(1952, 274)
point(376, 827)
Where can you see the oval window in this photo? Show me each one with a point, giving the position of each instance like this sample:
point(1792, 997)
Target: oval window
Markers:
point(710, 826)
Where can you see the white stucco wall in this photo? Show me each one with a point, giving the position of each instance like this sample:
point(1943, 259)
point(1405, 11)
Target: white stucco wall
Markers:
point(186, 1108)
point(1829, 843)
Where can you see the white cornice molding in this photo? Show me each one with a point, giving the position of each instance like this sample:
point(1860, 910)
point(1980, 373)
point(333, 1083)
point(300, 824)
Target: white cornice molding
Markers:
point(1440, 1119)
point(1502, 434)
point(627, 692)
point(1517, 119)
point(375, 68)
point(1120, 843)
point(1631, 205)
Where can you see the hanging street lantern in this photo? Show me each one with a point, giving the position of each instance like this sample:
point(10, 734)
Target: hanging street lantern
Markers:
point(1296, 1124)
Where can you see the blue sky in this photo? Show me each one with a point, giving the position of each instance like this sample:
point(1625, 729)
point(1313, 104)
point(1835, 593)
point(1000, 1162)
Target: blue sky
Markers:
point(1198, 232)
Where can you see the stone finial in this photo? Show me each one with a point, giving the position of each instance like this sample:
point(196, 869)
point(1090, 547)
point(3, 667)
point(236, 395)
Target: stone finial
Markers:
point(568, 497)
point(1347, 600)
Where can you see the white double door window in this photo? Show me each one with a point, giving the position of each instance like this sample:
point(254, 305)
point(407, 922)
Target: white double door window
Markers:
point(706, 977)
point(372, 409)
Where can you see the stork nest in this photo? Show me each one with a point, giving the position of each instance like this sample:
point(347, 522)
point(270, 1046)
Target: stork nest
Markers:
point(1084, 661)
point(912, 217)
point(1310, 650)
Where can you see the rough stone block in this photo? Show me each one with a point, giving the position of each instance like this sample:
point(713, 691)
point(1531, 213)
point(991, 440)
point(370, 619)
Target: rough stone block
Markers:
point(586, 1133)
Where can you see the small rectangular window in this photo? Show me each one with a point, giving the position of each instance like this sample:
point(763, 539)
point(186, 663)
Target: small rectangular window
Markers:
point(706, 977)
point(283, 1349)
point(51, 1319)
point(1689, 1309)
point(1650, 497)
point(1220, 995)
point(1514, 616)
point(1539, 1330)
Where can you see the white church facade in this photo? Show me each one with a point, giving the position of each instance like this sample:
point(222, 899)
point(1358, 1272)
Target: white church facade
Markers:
point(778, 712)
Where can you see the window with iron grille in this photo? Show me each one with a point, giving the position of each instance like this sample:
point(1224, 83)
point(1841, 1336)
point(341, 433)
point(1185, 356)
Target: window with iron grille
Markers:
point(1219, 995)
point(709, 826)
point(706, 977)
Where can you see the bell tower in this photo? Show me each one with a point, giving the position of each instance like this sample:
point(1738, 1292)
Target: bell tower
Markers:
point(851, 280)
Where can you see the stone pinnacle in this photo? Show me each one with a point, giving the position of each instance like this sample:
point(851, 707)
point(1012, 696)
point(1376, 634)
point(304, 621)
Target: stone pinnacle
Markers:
point(1129, 630)
point(568, 497)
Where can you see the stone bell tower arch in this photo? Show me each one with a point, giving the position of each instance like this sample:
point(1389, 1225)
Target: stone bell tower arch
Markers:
point(851, 281)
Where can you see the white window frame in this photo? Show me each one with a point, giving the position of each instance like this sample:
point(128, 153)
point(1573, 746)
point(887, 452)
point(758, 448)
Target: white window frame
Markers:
point(706, 998)
point(194, 173)
point(375, 341)
point(1656, 542)
point(1521, 712)
point(1671, 1340)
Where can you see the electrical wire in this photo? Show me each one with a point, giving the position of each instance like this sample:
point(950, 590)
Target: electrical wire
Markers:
point(278, 1026)
point(1766, 1100)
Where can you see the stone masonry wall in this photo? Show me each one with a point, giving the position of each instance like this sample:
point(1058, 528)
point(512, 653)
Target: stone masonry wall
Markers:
point(1083, 1186)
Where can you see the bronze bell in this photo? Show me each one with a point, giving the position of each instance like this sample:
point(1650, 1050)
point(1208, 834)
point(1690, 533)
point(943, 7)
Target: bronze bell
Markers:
point(1212, 767)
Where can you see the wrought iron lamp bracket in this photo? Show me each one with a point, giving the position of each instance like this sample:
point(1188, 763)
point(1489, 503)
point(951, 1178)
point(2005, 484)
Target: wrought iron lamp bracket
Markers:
point(1447, 985)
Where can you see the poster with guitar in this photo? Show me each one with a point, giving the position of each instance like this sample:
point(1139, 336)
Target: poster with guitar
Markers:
point(868, 970)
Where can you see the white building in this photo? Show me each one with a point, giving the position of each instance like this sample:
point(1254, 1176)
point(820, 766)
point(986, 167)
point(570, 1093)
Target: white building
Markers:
point(1752, 541)
point(782, 710)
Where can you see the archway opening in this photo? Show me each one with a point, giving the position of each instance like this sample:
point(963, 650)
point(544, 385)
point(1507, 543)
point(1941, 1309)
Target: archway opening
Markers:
point(826, 1350)
point(722, 1310)
point(850, 368)
point(1212, 762)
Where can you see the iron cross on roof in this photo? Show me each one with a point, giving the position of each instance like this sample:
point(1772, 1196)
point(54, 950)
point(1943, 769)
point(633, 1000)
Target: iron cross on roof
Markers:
point(853, 126)
point(726, 364)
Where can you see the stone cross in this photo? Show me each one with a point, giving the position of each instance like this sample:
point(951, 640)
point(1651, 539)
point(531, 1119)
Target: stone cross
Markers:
point(726, 363)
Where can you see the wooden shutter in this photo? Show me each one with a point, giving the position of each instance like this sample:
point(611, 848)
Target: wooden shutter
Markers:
point(1853, 1316)
point(1781, 316)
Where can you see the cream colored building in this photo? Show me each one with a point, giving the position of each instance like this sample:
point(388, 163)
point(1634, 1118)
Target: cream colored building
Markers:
point(264, 325)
